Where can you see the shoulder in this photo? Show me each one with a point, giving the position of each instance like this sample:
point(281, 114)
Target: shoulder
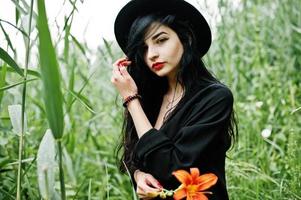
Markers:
point(221, 92)
point(215, 93)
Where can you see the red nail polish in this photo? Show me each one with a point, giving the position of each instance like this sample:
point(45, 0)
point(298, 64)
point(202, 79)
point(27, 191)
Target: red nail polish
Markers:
point(122, 63)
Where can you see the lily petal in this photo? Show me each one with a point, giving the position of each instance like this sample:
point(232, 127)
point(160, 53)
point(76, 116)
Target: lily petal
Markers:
point(195, 173)
point(199, 196)
point(180, 194)
point(183, 176)
point(206, 181)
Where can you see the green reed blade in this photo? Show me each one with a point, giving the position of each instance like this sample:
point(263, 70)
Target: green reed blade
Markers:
point(50, 75)
point(29, 71)
point(6, 87)
point(7, 39)
point(83, 100)
point(6, 58)
point(12, 25)
point(2, 80)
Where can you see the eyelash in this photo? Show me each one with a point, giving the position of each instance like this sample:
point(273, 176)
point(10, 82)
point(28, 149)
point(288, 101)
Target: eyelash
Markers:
point(161, 40)
point(158, 42)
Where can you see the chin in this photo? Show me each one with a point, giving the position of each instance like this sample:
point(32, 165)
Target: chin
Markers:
point(161, 74)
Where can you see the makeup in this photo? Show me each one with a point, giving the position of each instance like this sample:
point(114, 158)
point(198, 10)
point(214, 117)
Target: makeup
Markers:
point(157, 66)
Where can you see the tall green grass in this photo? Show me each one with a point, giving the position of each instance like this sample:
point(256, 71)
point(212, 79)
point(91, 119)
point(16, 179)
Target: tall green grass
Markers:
point(256, 52)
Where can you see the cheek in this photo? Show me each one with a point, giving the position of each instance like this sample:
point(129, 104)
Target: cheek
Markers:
point(147, 62)
point(177, 52)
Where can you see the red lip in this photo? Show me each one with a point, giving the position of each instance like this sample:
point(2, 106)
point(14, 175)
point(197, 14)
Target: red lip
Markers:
point(158, 65)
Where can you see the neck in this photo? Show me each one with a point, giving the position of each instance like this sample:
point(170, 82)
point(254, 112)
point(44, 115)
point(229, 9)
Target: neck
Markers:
point(174, 88)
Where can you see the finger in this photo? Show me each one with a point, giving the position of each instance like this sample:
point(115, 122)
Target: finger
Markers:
point(117, 73)
point(114, 79)
point(115, 67)
point(154, 182)
point(143, 197)
point(119, 61)
point(148, 195)
point(120, 70)
point(124, 63)
point(123, 71)
point(140, 192)
point(147, 189)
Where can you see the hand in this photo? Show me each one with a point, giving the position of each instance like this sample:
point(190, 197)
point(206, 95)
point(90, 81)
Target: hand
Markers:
point(147, 186)
point(122, 80)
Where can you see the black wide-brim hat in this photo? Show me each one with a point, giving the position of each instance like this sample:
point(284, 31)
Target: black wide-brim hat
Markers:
point(180, 8)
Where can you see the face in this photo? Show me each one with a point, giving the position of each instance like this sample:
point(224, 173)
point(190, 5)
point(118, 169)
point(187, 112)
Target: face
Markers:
point(163, 50)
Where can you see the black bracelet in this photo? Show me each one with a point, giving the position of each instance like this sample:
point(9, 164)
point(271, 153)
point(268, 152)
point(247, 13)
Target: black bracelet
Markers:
point(130, 98)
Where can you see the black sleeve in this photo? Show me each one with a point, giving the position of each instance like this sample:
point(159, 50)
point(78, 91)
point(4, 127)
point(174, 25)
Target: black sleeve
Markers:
point(161, 155)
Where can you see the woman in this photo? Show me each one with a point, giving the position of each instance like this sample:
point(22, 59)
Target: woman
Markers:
point(177, 115)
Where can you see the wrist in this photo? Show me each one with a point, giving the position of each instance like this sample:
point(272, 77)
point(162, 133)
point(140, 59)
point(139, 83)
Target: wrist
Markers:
point(130, 98)
point(132, 105)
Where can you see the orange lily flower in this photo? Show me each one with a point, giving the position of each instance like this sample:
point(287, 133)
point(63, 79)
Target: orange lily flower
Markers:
point(193, 185)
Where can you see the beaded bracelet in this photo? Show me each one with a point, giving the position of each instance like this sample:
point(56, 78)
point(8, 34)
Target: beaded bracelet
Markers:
point(130, 98)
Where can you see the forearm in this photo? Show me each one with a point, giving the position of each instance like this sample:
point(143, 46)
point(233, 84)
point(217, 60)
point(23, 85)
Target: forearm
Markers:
point(140, 120)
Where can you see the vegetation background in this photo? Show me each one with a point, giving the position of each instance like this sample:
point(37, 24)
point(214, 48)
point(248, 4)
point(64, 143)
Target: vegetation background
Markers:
point(256, 52)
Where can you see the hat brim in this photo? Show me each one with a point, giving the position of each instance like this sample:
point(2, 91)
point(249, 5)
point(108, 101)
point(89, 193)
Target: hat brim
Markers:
point(180, 8)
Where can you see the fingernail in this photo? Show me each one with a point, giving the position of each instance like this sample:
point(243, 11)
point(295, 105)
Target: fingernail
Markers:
point(124, 63)
point(119, 62)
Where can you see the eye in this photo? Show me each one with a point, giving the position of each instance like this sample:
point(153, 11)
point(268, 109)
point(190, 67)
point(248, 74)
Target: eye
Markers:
point(161, 40)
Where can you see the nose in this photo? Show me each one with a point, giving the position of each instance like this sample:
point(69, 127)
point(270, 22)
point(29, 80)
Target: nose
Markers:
point(152, 54)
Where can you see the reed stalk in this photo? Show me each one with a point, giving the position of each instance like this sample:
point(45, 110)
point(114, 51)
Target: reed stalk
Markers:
point(21, 139)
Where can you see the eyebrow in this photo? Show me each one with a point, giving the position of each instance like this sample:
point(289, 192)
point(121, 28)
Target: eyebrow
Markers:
point(158, 34)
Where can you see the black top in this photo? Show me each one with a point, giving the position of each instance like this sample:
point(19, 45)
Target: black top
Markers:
point(195, 135)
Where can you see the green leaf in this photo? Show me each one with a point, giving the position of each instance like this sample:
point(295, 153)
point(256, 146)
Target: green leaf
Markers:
point(108, 47)
point(16, 84)
point(66, 42)
point(23, 32)
point(29, 71)
point(50, 75)
point(83, 100)
point(7, 39)
point(81, 48)
point(2, 80)
point(69, 165)
point(71, 82)
point(6, 58)
point(296, 110)
point(69, 104)
point(17, 14)
point(4, 161)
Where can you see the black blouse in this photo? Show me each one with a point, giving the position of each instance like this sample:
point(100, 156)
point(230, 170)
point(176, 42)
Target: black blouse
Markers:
point(195, 135)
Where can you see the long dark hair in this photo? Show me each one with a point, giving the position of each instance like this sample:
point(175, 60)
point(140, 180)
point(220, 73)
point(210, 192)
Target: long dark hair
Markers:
point(192, 72)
